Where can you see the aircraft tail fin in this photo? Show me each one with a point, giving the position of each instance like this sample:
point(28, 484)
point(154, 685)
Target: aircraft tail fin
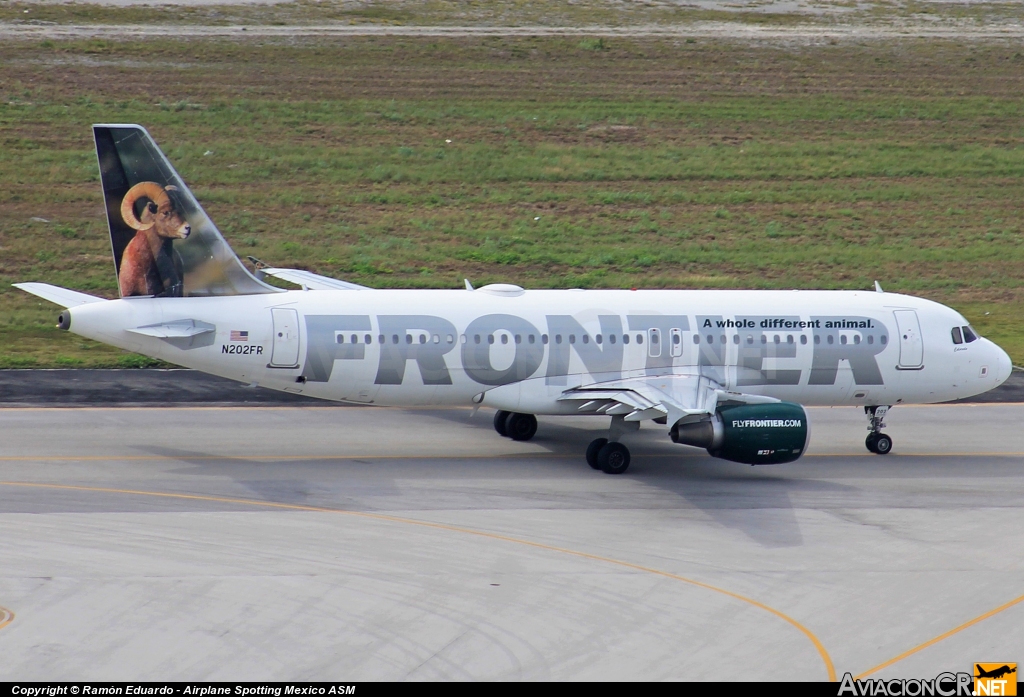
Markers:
point(163, 242)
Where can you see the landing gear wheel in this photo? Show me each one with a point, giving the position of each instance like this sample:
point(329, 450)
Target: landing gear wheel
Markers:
point(613, 458)
point(500, 417)
point(521, 426)
point(869, 442)
point(883, 444)
point(593, 449)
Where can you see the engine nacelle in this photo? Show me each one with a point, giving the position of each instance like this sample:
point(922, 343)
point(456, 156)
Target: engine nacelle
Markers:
point(754, 434)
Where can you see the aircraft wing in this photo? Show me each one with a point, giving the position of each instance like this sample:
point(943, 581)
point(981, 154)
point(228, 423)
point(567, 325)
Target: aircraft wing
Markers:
point(657, 396)
point(57, 295)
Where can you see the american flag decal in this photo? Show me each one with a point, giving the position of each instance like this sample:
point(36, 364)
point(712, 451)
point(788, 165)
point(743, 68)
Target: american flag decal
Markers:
point(239, 336)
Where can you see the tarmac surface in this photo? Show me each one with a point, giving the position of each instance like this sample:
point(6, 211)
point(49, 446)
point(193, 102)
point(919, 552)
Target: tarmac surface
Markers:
point(292, 542)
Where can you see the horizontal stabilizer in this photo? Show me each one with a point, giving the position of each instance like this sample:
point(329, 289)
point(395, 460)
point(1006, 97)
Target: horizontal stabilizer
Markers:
point(59, 296)
point(310, 280)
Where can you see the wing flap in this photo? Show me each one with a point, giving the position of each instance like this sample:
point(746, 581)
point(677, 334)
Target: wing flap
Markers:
point(652, 397)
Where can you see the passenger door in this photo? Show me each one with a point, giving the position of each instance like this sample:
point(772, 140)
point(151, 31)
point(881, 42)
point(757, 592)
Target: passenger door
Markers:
point(911, 343)
point(285, 353)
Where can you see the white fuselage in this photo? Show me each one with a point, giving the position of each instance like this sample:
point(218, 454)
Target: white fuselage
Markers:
point(519, 350)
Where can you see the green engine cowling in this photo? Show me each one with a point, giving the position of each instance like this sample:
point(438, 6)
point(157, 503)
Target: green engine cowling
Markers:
point(754, 434)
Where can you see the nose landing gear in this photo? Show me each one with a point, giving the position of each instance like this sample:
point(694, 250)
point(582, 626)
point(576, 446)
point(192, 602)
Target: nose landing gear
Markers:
point(877, 442)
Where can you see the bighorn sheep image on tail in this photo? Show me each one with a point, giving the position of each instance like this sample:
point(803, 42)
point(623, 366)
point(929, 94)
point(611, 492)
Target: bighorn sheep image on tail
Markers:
point(149, 265)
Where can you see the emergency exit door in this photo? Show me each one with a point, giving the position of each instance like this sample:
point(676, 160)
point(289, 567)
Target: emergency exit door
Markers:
point(911, 343)
point(286, 338)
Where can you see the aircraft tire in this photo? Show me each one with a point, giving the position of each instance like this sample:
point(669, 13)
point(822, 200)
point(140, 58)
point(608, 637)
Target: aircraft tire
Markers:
point(593, 449)
point(613, 458)
point(883, 444)
point(869, 442)
point(521, 426)
point(500, 417)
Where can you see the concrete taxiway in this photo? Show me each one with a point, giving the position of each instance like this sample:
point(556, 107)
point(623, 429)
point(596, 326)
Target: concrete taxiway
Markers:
point(361, 543)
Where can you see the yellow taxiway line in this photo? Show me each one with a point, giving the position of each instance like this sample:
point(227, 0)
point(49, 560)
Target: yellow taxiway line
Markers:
point(826, 659)
point(6, 617)
point(946, 635)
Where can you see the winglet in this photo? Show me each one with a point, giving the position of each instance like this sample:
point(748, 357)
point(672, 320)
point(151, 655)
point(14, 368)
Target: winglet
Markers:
point(469, 286)
point(878, 287)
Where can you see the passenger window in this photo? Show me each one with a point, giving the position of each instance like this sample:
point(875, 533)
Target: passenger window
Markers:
point(504, 338)
point(490, 338)
point(611, 338)
point(532, 339)
point(856, 338)
point(639, 338)
point(423, 338)
point(884, 339)
point(750, 339)
point(625, 338)
point(598, 338)
point(451, 339)
point(722, 338)
point(696, 338)
point(764, 338)
point(519, 339)
point(586, 338)
point(341, 338)
point(831, 339)
point(675, 338)
point(842, 339)
point(572, 338)
point(394, 338)
point(437, 339)
point(969, 335)
point(871, 338)
point(558, 338)
point(817, 339)
point(789, 338)
point(380, 339)
point(711, 339)
point(354, 339)
point(736, 338)
point(368, 339)
point(776, 339)
point(476, 338)
point(543, 338)
point(803, 339)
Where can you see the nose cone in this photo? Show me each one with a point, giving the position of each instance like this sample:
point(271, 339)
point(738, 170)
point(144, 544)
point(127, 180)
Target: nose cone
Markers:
point(1004, 366)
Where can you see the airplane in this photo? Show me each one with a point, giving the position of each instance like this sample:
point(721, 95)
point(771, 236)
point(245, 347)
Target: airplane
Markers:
point(995, 673)
point(730, 371)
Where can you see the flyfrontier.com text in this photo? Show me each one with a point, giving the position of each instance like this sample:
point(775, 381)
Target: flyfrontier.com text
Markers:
point(943, 685)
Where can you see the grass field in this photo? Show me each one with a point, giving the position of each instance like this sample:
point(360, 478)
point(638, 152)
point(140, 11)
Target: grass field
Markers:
point(571, 163)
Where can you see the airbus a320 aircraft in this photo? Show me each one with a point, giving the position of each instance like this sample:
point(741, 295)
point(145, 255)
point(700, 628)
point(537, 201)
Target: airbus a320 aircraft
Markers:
point(729, 371)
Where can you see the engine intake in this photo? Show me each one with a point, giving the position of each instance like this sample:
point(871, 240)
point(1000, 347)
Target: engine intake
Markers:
point(754, 434)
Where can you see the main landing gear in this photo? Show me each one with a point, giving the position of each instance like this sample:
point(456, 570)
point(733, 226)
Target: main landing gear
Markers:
point(515, 426)
point(608, 454)
point(605, 454)
point(877, 442)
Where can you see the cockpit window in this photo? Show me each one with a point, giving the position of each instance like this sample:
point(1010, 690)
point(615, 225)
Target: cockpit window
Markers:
point(957, 337)
point(969, 335)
